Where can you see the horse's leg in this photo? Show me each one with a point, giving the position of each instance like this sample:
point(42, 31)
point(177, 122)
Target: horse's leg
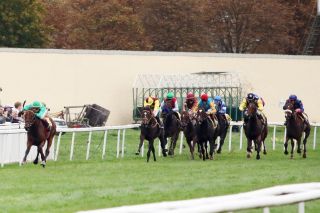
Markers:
point(222, 138)
point(299, 145)
point(174, 142)
point(206, 149)
point(43, 158)
point(258, 145)
point(249, 146)
point(149, 150)
point(212, 145)
point(29, 144)
point(191, 148)
point(140, 144)
point(203, 150)
point(286, 146)
point(264, 148)
point(292, 147)
point(163, 144)
point(307, 131)
point(49, 146)
point(37, 158)
point(153, 151)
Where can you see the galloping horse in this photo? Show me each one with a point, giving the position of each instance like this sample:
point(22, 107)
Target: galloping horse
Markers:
point(37, 135)
point(295, 128)
point(222, 130)
point(189, 130)
point(205, 132)
point(171, 126)
point(150, 130)
point(255, 131)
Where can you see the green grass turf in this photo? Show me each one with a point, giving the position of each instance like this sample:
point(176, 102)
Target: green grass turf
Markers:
point(69, 186)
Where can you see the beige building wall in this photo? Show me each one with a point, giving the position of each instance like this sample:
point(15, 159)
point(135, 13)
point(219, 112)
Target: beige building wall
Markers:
point(61, 77)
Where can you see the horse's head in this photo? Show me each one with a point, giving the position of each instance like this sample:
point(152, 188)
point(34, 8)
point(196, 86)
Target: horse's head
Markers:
point(201, 115)
point(185, 118)
point(289, 110)
point(29, 119)
point(252, 109)
point(146, 116)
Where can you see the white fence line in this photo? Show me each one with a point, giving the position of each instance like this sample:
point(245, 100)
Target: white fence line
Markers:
point(17, 144)
point(263, 198)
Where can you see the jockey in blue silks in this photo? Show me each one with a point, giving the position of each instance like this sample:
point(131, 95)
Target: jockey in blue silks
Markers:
point(221, 107)
point(298, 107)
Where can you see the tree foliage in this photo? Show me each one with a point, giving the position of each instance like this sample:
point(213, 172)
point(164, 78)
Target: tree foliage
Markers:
point(21, 24)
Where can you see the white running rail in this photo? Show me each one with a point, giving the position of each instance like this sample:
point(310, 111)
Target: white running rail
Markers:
point(263, 198)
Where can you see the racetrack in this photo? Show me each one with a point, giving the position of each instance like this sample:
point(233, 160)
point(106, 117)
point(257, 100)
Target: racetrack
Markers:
point(69, 186)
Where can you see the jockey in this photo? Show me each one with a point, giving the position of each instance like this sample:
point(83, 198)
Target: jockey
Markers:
point(221, 107)
point(298, 107)
point(40, 111)
point(258, 101)
point(191, 103)
point(174, 106)
point(208, 104)
point(154, 105)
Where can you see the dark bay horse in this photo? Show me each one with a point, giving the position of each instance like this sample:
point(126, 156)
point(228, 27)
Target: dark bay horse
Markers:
point(205, 132)
point(150, 130)
point(37, 135)
point(295, 128)
point(255, 130)
point(171, 126)
point(222, 129)
point(188, 126)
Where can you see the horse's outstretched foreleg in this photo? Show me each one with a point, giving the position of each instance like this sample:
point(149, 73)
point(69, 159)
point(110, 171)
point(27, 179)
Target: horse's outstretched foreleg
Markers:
point(163, 143)
point(48, 146)
point(140, 144)
point(307, 131)
point(222, 138)
point(299, 145)
point(26, 153)
point(286, 146)
point(292, 148)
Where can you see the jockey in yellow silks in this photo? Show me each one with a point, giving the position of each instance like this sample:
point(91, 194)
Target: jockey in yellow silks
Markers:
point(258, 101)
point(154, 105)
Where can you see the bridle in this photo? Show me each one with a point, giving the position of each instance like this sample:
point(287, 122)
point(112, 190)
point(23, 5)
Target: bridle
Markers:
point(29, 120)
point(146, 121)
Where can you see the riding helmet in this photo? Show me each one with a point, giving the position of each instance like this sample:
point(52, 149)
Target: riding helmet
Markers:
point(204, 97)
point(250, 96)
point(149, 100)
point(170, 95)
point(36, 104)
point(293, 97)
point(217, 98)
point(190, 96)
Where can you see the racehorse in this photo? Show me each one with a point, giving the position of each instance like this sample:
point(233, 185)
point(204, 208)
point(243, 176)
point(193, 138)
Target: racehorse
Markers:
point(205, 131)
point(295, 127)
point(222, 129)
point(37, 135)
point(255, 130)
point(189, 130)
point(171, 126)
point(150, 130)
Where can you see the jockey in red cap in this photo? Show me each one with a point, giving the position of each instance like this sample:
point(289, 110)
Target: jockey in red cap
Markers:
point(208, 105)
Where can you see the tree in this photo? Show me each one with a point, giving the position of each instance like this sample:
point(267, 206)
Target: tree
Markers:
point(175, 25)
point(249, 26)
point(21, 24)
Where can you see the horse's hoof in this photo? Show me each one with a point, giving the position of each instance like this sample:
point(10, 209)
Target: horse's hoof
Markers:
point(299, 151)
point(304, 155)
point(264, 152)
point(43, 164)
point(35, 162)
point(24, 162)
point(164, 154)
point(248, 155)
point(258, 157)
point(286, 152)
point(200, 156)
point(211, 158)
point(137, 153)
point(219, 151)
point(291, 157)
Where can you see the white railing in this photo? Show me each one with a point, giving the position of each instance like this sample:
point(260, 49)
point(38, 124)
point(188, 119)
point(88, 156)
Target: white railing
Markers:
point(263, 198)
point(13, 141)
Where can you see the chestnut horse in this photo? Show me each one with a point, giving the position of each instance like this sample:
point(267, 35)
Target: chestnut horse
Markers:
point(255, 130)
point(37, 135)
point(150, 130)
point(295, 127)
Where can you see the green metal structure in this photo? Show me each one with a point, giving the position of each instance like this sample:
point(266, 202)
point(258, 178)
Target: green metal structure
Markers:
point(225, 84)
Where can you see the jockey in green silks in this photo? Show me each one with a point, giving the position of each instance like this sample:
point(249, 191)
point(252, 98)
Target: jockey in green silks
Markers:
point(41, 112)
